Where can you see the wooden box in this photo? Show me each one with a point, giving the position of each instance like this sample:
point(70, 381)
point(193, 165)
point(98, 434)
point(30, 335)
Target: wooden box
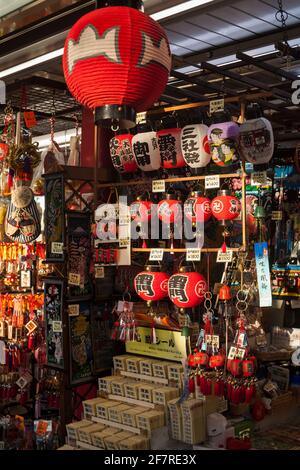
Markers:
point(120, 362)
point(85, 434)
point(175, 419)
point(146, 366)
point(150, 420)
point(135, 443)
point(115, 412)
point(73, 428)
point(174, 372)
point(89, 407)
point(160, 369)
point(104, 383)
point(112, 442)
point(146, 392)
point(133, 364)
point(117, 386)
point(103, 407)
point(164, 394)
point(98, 437)
point(193, 421)
point(129, 416)
point(131, 390)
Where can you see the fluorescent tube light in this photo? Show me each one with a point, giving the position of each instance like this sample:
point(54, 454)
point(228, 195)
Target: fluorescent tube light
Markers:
point(184, 6)
point(31, 63)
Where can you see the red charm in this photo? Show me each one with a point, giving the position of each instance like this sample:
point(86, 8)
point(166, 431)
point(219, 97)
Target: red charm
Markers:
point(192, 385)
point(201, 359)
point(197, 208)
point(225, 206)
point(218, 360)
point(117, 56)
point(187, 289)
point(121, 153)
point(170, 148)
point(151, 285)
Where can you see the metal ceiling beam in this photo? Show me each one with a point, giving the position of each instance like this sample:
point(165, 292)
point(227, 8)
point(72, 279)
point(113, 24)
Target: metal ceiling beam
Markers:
point(265, 66)
point(183, 92)
point(201, 82)
point(287, 50)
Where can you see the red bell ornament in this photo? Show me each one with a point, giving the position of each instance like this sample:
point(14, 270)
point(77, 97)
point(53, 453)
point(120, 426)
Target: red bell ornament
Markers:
point(201, 359)
point(225, 206)
point(170, 148)
point(194, 145)
point(116, 61)
point(121, 153)
point(225, 293)
point(151, 284)
point(217, 361)
point(146, 151)
point(169, 209)
point(197, 208)
point(140, 210)
point(187, 288)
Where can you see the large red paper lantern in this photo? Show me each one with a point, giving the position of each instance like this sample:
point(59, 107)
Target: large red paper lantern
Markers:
point(146, 151)
point(117, 61)
point(169, 209)
point(152, 284)
point(225, 206)
point(121, 153)
point(187, 289)
point(170, 148)
point(197, 208)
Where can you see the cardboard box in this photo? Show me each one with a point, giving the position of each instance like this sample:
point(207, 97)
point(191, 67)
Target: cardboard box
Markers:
point(85, 433)
point(151, 419)
point(103, 407)
point(129, 417)
point(112, 442)
point(135, 443)
point(98, 437)
point(89, 407)
point(73, 428)
point(162, 395)
point(115, 412)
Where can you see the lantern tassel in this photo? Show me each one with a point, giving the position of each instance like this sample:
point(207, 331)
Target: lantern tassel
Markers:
point(224, 248)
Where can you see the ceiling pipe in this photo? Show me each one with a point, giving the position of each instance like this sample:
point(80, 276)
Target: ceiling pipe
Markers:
point(264, 66)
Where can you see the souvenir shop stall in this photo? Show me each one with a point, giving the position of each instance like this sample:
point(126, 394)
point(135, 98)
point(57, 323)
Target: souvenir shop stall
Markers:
point(150, 300)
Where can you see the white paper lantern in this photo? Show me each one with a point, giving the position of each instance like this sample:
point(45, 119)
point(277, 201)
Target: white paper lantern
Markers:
point(195, 146)
point(146, 151)
point(257, 141)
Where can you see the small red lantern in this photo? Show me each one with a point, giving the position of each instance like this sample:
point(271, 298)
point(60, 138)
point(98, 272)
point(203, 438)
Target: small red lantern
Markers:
point(201, 359)
point(225, 206)
point(146, 151)
point(236, 367)
point(197, 208)
point(151, 284)
point(191, 360)
point(4, 149)
point(248, 368)
point(217, 361)
point(140, 210)
point(117, 61)
point(187, 288)
point(121, 153)
point(170, 148)
point(169, 209)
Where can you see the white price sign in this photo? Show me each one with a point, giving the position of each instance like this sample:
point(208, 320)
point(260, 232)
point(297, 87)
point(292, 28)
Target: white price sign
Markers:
point(259, 178)
point(57, 248)
point(73, 310)
point(224, 257)
point(156, 254)
point(212, 181)
point(158, 186)
point(57, 326)
point(74, 279)
point(193, 254)
point(215, 106)
point(99, 272)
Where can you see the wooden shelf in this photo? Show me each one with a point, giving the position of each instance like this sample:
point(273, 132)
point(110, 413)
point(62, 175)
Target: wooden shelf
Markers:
point(183, 250)
point(150, 378)
point(84, 445)
point(132, 401)
point(113, 424)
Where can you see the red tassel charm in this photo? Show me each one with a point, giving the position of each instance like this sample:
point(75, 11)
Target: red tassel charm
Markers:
point(10, 178)
point(208, 387)
point(192, 385)
point(198, 379)
point(203, 385)
point(115, 330)
point(224, 248)
point(219, 388)
point(30, 343)
point(235, 396)
point(144, 245)
point(249, 394)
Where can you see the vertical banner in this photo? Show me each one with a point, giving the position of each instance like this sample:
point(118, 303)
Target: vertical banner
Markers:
point(263, 274)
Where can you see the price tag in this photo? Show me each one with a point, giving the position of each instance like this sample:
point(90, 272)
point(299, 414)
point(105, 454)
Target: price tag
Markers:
point(123, 242)
point(158, 186)
point(57, 248)
point(215, 106)
point(31, 326)
point(193, 254)
point(30, 119)
point(156, 254)
point(276, 215)
point(74, 279)
point(99, 272)
point(42, 427)
point(73, 310)
point(57, 326)
point(259, 178)
point(212, 181)
point(224, 257)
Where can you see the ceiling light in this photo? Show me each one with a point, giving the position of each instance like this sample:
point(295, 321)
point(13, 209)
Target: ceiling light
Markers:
point(184, 6)
point(31, 63)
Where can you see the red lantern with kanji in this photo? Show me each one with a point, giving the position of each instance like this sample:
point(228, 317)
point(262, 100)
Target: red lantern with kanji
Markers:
point(197, 208)
point(121, 153)
point(151, 284)
point(169, 209)
point(225, 206)
point(187, 288)
point(169, 141)
point(140, 210)
point(117, 61)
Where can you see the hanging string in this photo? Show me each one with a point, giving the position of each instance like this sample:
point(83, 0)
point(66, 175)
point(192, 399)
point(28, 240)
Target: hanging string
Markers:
point(52, 119)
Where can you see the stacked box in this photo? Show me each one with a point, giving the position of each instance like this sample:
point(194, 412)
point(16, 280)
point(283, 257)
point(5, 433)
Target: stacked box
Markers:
point(117, 387)
point(135, 443)
point(146, 392)
point(89, 407)
point(131, 390)
point(175, 372)
point(103, 407)
point(66, 447)
point(146, 366)
point(160, 369)
point(193, 421)
point(175, 419)
point(98, 437)
point(112, 442)
point(85, 433)
point(104, 383)
point(162, 395)
point(149, 420)
point(133, 364)
point(72, 430)
point(115, 412)
point(120, 362)
point(129, 416)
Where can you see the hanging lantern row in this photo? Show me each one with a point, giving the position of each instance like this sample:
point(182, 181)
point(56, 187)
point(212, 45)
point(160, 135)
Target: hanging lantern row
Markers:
point(194, 146)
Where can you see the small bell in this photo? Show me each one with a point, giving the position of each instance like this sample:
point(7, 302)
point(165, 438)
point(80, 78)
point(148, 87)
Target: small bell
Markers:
point(225, 293)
